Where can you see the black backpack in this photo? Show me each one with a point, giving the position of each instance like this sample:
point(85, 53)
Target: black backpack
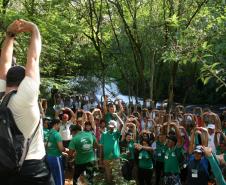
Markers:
point(13, 146)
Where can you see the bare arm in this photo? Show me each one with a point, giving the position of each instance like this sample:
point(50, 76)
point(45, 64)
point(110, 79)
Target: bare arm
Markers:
point(73, 117)
point(34, 50)
point(71, 153)
point(204, 136)
point(91, 119)
point(148, 148)
point(60, 146)
point(179, 138)
point(191, 144)
point(7, 49)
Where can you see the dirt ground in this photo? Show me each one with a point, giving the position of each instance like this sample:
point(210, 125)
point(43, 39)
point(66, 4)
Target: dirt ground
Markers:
point(98, 179)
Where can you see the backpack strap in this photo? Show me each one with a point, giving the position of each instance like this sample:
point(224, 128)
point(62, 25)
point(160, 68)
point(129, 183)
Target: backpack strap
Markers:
point(6, 98)
point(27, 146)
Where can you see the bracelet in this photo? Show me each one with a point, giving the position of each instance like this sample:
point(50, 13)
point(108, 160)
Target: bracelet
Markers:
point(10, 34)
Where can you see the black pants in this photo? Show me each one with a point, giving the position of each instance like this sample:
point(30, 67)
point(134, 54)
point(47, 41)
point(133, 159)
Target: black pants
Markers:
point(159, 169)
point(66, 164)
point(127, 169)
point(144, 176)
point(79, 169)
point(33, 172)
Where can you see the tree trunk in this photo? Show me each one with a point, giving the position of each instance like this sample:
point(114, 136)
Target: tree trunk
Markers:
point(171, 85)
point(103, 84)
point(152, 72)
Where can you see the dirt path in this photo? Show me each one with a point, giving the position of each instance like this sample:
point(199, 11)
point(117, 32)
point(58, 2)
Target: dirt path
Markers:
point(98, 179)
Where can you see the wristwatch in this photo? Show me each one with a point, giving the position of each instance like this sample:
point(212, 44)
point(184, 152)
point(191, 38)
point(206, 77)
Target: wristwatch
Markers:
point(10, 34)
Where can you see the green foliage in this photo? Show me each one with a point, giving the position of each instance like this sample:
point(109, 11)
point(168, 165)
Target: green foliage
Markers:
point(175, 47)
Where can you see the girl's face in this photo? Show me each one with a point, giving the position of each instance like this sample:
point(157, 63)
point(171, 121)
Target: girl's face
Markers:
point(57, 127)
point(128, 138)
point(88, 127)
point(197, 156)
point(97, 121)
point(162, 138)
point(45, 124)
point(224, 124)
point(145, 136)
point(170, 143)
point(102, 124)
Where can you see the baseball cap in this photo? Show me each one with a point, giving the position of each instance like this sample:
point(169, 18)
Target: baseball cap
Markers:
point(112, 123)
point(198, 149)
point(211, 126)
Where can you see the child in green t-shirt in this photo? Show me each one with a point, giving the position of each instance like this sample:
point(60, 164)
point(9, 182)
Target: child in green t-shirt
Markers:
point(145, 162)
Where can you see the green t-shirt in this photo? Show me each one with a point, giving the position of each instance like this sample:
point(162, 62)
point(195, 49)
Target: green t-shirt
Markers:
point(160, 151)
point(171, 160)
point(83, 143)
point(218, 150)
point(224, 131)
point(45, 134)
point(110, 142)
point(108, 117)
point(129, 149)
point(53, 139)
point(145, 160)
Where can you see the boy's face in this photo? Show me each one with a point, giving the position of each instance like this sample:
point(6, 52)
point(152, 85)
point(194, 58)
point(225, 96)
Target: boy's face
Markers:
point(112, 109)
point(170, 143)
point(128, 138)
point(197, 156)
point(45, 124)
point(210, 131)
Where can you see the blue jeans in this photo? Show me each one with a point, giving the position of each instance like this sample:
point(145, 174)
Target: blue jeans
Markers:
point(56, 168)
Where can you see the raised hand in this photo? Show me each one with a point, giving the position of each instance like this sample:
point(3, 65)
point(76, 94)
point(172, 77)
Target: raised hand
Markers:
point(207, 151)
point(21, 25)
point(14, 27)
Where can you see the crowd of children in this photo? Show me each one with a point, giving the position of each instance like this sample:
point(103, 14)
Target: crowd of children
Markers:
point(146, 145)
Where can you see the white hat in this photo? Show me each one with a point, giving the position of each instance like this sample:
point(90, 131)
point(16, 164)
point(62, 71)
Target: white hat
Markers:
point(112, 123)
point(211, 126)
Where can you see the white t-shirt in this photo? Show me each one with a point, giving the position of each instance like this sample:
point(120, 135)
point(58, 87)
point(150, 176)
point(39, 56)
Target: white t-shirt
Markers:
point(65, 131)
point(211, 143)
point(25, 109)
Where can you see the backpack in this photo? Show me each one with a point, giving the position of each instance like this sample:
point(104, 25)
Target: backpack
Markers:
point(13, 145)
